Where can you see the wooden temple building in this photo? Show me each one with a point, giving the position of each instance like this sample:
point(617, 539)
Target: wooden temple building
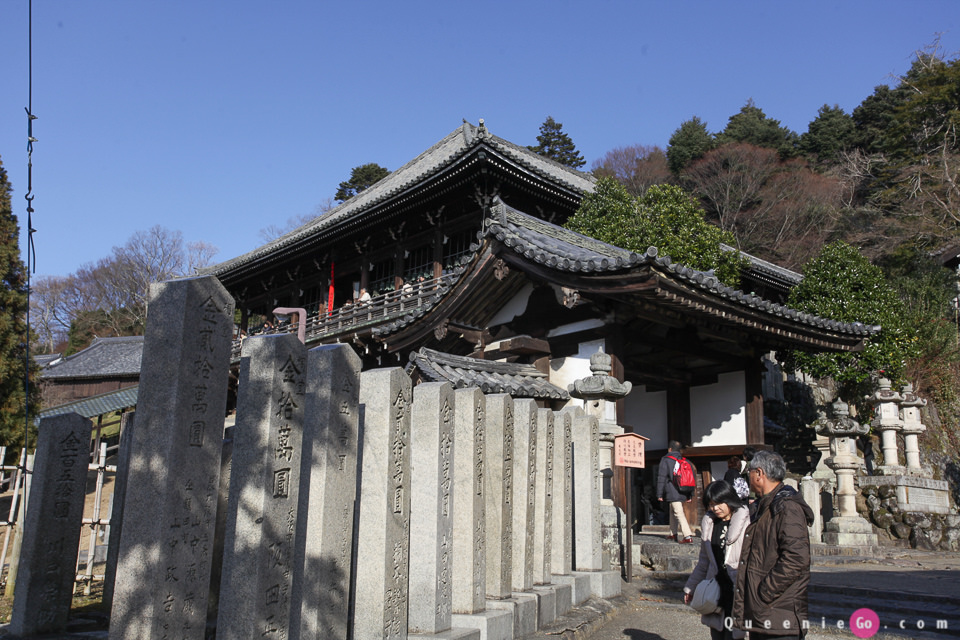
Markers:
point(473, 280)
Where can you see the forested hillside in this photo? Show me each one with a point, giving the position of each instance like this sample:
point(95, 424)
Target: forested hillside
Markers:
point(884, 179)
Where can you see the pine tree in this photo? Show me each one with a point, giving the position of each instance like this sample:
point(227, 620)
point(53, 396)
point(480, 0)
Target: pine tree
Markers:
point(688, 143)
point(555, 144)
point(13, 345)
point(362, 177)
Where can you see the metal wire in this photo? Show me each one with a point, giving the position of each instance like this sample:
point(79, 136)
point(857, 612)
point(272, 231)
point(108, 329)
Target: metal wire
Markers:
point(31, 258)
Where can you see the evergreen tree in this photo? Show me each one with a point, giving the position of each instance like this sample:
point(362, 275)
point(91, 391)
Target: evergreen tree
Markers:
point(362, 177)
point(13, 329)
point(751, 125)
point(666, 217)
point(688, 143)
point(830, 133)
point(875, 117)
point(841, 284)
point(555, 144)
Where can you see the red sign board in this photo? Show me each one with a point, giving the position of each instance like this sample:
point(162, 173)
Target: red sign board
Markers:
point(628, 450)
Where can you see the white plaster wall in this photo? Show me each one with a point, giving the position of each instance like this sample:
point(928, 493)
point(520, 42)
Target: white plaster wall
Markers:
point(563, 372)
point(718, 469)
point(646, 412)
point(718, 412)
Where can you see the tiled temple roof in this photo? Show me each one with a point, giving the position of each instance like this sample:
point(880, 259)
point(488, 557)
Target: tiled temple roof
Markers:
point(564, 250)
point(434, 160)
point(519, 380)
point(108, 357)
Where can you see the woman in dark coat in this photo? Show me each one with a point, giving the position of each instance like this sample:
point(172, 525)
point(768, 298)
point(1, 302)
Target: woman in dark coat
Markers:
point(722, 531)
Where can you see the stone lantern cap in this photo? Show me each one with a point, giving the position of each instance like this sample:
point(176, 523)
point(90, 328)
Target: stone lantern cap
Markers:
point(601, 385)
point(842, 425)
point(910, 411)
point(911, 399)
point(886, 401)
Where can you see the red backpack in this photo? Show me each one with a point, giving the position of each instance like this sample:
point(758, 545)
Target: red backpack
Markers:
point(683, 477)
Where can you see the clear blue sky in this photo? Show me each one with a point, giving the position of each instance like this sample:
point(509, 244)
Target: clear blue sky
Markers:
point(218, 118)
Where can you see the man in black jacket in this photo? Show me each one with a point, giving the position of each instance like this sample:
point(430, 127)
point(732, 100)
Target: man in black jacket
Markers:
point(770, 599)
point(667, 492)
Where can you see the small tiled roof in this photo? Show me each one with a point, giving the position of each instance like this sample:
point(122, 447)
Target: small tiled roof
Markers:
point(768, 270)
point(518, 380)
point(564, 250)
point(96, 405)
point(105, 357)
point(432, 161)
point(44, 359)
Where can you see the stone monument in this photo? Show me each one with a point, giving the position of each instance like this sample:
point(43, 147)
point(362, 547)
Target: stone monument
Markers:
point(382, 568)
point(469, 566)
point(48, 557)
point(163, 571)
point(260, 536)
point(431, 507)
point(498, 486)
point(328, 493)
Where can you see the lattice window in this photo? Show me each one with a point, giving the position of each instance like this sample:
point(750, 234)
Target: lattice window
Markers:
point(381, 277)
point(457, 249)
point(419, 264)
point(312, 298)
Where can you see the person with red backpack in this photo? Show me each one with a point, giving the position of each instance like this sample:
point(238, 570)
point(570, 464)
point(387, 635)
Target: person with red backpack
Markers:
point(675, 485)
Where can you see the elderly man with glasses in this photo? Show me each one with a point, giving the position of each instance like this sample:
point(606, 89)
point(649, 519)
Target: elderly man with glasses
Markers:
point(770, 599)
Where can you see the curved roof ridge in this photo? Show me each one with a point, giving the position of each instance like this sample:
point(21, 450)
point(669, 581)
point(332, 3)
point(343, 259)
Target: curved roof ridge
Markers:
point(558, 248)
point(450, 148)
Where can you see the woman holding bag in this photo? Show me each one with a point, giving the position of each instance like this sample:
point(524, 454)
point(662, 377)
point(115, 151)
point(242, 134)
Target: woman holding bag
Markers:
point(722, 531)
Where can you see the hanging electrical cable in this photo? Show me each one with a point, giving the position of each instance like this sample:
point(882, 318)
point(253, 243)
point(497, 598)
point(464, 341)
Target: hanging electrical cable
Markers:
point(31, 258)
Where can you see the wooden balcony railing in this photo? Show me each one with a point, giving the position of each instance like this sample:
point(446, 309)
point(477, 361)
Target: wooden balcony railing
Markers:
point(379, 310)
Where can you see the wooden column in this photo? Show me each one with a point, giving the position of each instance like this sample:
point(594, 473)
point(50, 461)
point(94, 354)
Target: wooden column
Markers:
point(753, 383)
point(678, 413)
point(438, 253)
point(398, 269)
point(613, 345)
point(365, 272)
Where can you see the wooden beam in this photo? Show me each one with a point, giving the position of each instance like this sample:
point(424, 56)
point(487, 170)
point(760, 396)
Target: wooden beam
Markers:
point(524, 345)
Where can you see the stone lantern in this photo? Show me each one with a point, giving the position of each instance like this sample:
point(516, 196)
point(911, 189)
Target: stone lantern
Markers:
point(888, 423)
point(848, 528)
point(599, 392)
point(910, 407)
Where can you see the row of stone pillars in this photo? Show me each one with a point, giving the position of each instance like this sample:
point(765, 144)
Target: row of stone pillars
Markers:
point(898, 413)
point(895, 413)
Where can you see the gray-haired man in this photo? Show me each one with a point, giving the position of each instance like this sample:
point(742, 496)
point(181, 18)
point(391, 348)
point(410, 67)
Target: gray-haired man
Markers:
point(771, 592)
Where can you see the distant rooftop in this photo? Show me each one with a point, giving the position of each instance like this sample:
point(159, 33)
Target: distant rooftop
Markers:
point(104, 357)
point(97, 405)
